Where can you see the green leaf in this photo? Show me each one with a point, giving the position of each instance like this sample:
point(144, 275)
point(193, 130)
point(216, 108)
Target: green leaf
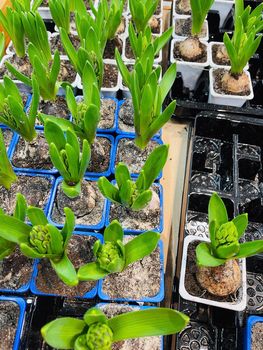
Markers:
point(227, 251)
point(6, 248)
point(13, 229)
point(248, 249)
point(113, 232)
point(31, 252)
point(94, 315)
point(141, 246)
point(62, 332)
point(145, 323)
point(205, 258)
point(108, 190)
point(36, 216)
point(142, 200)
point(65, 271)
point(217, 211)
point(91, 272)
point(167, 81)
point(54, 134)
point(122, 174)
point(126, 192)
point(241, 222)
point(68, 227)
point(56, 240)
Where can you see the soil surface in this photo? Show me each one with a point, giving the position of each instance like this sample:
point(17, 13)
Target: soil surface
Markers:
point(67, 72)
point(57, 108)
point(257, 336)
point(145, 219)
point(183, 26)
point(107, 110)
point(72, 25)
point(146, 343)
point(191, 284)
point(110, 77)
point(217, 79)
point(200, 59)
point(56, 43)
point(223, 61)
point(9, 315)
point(8, 135)
point(111, 46)
point(139, 280)
point(80, 253)
point(15, 271)
point(133, 156)
point(21, 64)
point(88, 207)
point(100, 155)
point(126, 116)
point(36, 189)
point(34, 154)
point(155, 24)
point(183, 7)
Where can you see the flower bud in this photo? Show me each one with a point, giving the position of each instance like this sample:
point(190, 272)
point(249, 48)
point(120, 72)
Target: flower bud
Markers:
point(39, 238)
point(226, 234)
point(99, 337)
point(110, 257)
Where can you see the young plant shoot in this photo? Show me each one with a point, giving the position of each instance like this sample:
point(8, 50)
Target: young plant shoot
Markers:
point(251, 19)
point(148, 94)
point(217, 259)
point(27, 5)
point(113, 256)
point(141, 12)
point(199, 10)
point(2, 45)
point(42, 240)
point(95, 331)
point(135, 195)
point(60, 12)
point(7, 175)
point(12, 112)
point(65, 154)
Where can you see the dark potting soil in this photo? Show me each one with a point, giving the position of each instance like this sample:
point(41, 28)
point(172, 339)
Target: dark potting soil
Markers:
point(88, 207)
point(223, 61)
point(257, 336)
point(110, 76)
point(15, 271)
point(80, 253)
point(21, 64)
point(145, 219)
point(139, 280)
point(200, 59)
point(133, 156)
point(183, 26)
point(67, 72)
point(111, 46)
point(56, 43)
point(126, 116)
point(146, 343)
point(34, 154)
point(183, 7)
point(107, 111)
point(217, 79)
point(100, 155)
point(191, 284)
point(36, 189)
point(9, 315)
point(8, 135)
point(57, 108)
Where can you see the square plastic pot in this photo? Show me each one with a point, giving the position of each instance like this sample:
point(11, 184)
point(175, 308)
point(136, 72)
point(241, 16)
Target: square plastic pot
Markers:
point(234, 306)
point(251, 321)
point(22, 308)
point(223, 7)
point(185, 17)
point(89, 295)
point(155, 299)
point(228, 100)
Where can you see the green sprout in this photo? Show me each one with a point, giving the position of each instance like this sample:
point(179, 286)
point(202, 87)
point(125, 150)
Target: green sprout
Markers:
point(113, 256)
point(12, 112)
point(7, 175)
point(225, 236)
point(42, 240)
point(2, 45)
point(200, 10)
point(250, 19)
point(64, 150)
point(60, 12)
point(135, 195)
point(27, 5)
point(96, 332)
point(148, 94)
point(141, 12)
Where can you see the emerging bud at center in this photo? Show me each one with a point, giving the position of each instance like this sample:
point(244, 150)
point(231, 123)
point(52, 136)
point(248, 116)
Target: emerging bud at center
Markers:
point(39, 238)
point(99, 337)
point(110, 257)
point(226, 234)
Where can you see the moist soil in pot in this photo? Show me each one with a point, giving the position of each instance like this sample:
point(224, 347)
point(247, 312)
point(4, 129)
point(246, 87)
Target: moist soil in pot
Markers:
point(257, 336)
point(107, 111)
point(145, 343)
point(182, 27)
point(8, 135)
point(110, 76)
point(88, 207)
point(80, 253)
point(56, 43)
point(15, 271)
point(133, 156)
point(183, 7)
point(144, 220)
point(199, 58)
point(138, 281)
point(57, 108)
point(21, 64)
point(111, 45)
point(126, 116)
point(9, 316)
point(67, 72)
point(100, 155)
point(220, 57)
point(36, 190)
point(218, 86)
point(191, 284)
point(33, 155)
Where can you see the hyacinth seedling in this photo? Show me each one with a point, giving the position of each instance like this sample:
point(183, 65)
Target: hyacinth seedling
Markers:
point(114, 256)
point(200, 10)
point(64, 150)
point(60, 12)
point(96, 332)
point(135, 195)
point(7, 175)
point(141, 12)
point(225, 236)
point(42, 240)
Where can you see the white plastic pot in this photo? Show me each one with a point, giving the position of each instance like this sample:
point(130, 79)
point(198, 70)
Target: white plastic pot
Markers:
point(180, 18)
point(223, 7)
point(228, 100)
point(190, 71)
point(238, 305)
point(212, 63)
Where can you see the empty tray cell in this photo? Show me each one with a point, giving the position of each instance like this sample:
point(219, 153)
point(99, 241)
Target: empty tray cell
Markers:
point(206, 154)
point(217, 128)
point(254, 209)
point(254, 292)
point(253, 231)
point(189, 308)
point(248, 190)
point(196, 224)
point(196, 336)
point(249, 169)
point(250, 134)
point(226, 167)
point(248, 151)
point(205, 180)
